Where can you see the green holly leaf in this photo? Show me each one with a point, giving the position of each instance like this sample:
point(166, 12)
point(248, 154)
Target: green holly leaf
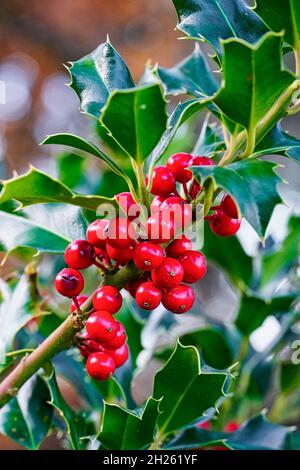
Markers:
point(97, 75)
point(192, 76)
point(254, 310)
point(260, 434)
point(279, 142)
point(229, 255)
point(76, 423)
point(280, 260)
point(187, 394)
point(253, 79)
point(210, 140)
point(36, 187)
point(280, 16)
point(213, 20)
point(27, 418)
point(194, 438)
point(135, 428)
point(134, 327)
point(71, 169)
point(129, 115)
point(253, 185)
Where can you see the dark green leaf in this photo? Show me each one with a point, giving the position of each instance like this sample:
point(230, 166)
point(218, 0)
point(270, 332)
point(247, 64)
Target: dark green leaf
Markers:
point(279, 142)
point(124, 429)
point(253, 184)
point(189, 392)
point(282, 16)
point(36, 187)
point(136, 119)
point(71, 169)
point(27, 418)
point(210, 141)
point(254, 310)
point(214, 20)
point(96, 75)
point(253, 79)
point(196, 438)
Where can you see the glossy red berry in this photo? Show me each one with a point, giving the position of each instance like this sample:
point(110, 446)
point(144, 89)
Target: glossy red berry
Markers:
point(132, 286)
point(118, 340)
point(194, 266)
point(148, 256)
point(156, 203)
point(128, 205)
point(232, 426)
point(96, 233)
point(148, 296)
point(107, 298)
point(198, 161)
point(179, 300)
point(181, 211)
point(119, 355)
point(100, 366)
point(178, 247)
point(119, 233)
point(80, 300)
point(80, 254)
point(122, 256)
point(178, 164)
point(163, 181)
point(222, 225)
point(229, 207)
point(168, 275)
point(101, 326)
point(160, 227)
point(69, 282)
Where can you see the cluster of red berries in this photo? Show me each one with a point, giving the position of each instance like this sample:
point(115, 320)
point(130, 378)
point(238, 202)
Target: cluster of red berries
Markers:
point(158, 248)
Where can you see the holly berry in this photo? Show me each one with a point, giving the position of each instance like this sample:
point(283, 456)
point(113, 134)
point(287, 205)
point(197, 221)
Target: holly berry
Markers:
point(194, 266)
point(119, 355)
point(178, 247)
point(100, 366)
point(180, 210)
point(80, 300)
point(69, 282)
point(107, 298)
point(156, 203)
point(132, 286)
point(229, 207)
point(79, 254)
point(198, 161)
point(118, 340)
point(88, 345)
point(118, 233)
point(148, 256)
point(96, 233)
point(128, 205)
point(232, 426)
point(163, 182)
point(179, 300)
point(222, 225)
point(160, 227)
point(122, 256)
point(178, 164)
point(148, 296)
point(101, 326)
point(169, 274)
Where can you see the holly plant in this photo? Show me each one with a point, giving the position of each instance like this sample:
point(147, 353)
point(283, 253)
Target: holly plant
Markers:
point(130, 308)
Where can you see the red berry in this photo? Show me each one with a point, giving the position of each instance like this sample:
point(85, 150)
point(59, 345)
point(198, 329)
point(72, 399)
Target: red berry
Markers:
point(178, 164)
point(148, 256)
point(180, 210)
point(101, 326)
point(80, 299)
point(88, 345)
point(132, 286)
point(229, 207)
point(194, 266)
point(224, 226)
point(179, 300)
point(163, 181)
point(96, 233)
point(118, 340)
point(156, 203)
point(178, 247)
point(160, 227)
point(119, 355)
point(148, 296)
point(122, 256)
point(169, 274)
point(79, 254)
point(128, 205)
point(119, 233)
point(100, 366)
point(107, 298)
point(197, 161)
point(69, 282)
point(232, 426)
